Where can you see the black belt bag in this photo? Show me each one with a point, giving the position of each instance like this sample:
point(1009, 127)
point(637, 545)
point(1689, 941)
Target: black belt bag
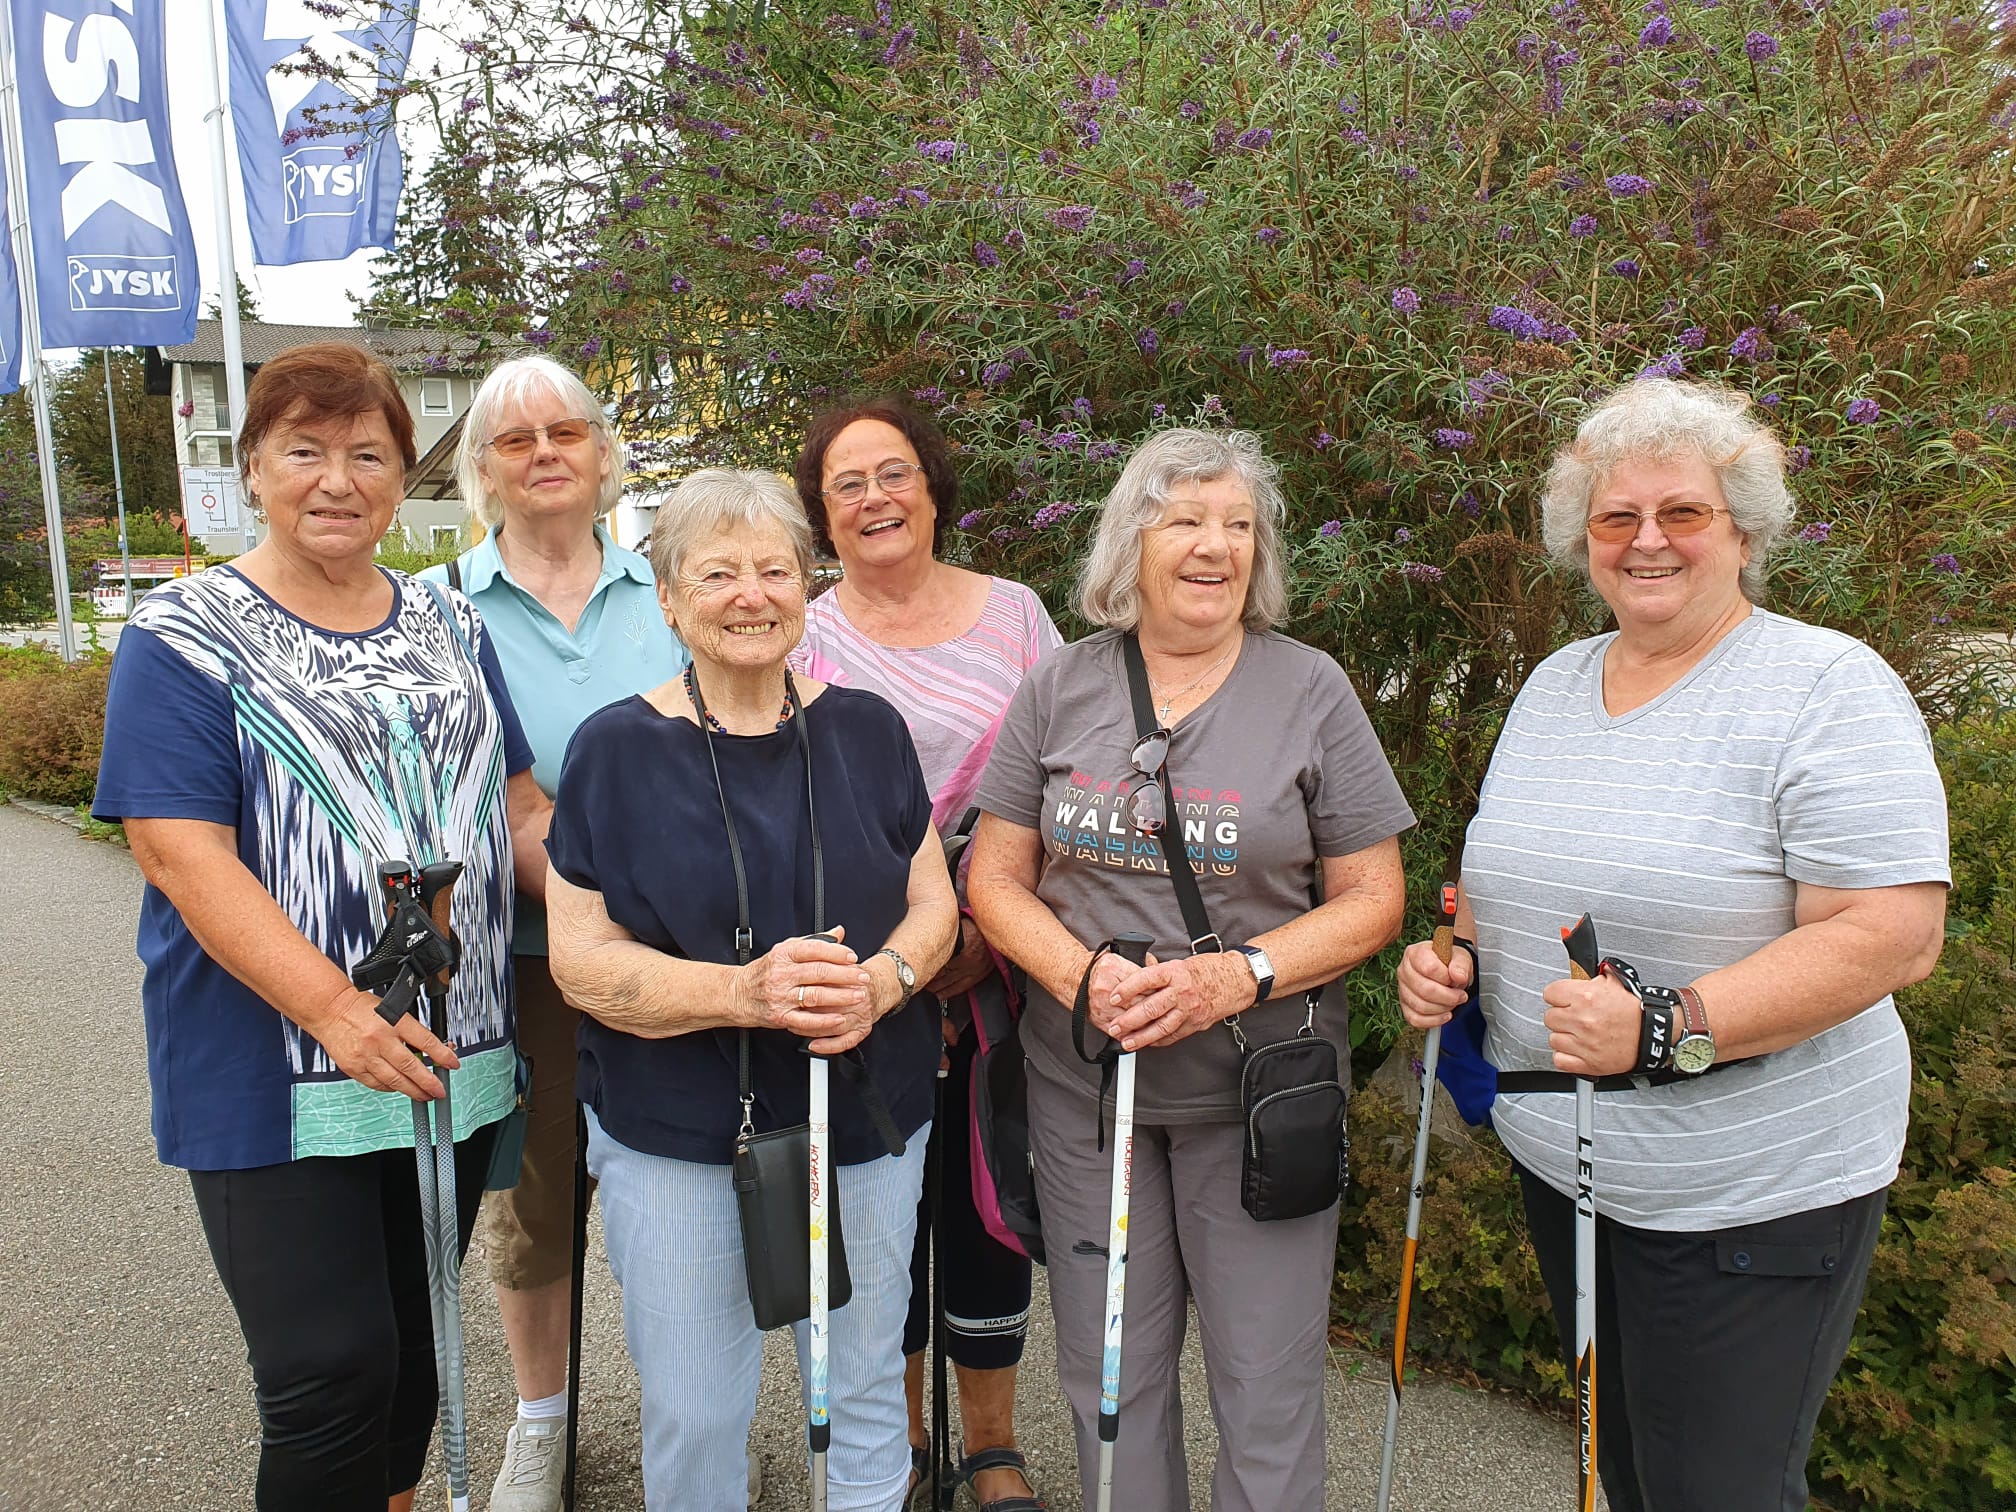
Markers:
point(773, 1174)
point(1296, 1154)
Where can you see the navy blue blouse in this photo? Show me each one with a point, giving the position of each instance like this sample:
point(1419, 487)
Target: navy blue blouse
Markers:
point(637, 819)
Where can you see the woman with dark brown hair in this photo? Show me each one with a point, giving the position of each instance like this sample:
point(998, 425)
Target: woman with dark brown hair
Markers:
point(948, 648)
point(277, 728)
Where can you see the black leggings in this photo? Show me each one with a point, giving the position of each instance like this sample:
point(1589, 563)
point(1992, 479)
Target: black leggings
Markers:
point(986, 1283)
point(324, 1261)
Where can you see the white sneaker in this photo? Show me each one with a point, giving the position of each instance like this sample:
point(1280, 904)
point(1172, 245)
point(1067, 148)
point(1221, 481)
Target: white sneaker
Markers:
point(535, 1463)
point(755, 1478)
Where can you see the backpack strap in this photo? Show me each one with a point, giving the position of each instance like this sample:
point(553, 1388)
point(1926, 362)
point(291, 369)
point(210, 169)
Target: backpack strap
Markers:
point(441, 604)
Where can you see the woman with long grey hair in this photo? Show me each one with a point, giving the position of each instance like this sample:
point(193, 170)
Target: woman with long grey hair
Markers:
point(1748, 809)
point(1287, 816)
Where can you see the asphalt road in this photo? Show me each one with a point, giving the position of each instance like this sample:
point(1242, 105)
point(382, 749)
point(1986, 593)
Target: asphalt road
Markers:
point(123, 1382)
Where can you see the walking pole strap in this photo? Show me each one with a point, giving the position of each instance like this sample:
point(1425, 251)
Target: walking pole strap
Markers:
point(1107, 1059)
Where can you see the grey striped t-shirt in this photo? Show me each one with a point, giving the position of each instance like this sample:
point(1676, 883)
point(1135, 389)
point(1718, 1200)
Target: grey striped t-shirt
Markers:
point(1790, 754)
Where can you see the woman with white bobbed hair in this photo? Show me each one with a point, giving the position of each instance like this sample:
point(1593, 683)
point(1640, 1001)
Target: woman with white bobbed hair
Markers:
point(575, 621)
point(1286, 812)
point(1748, 810)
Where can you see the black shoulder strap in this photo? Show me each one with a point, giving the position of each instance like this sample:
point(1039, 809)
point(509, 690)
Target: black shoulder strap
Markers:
point(1196, 922)
point(455, 573)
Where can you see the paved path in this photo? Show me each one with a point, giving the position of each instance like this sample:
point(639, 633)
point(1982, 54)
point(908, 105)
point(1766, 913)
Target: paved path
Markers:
point(123, 1382)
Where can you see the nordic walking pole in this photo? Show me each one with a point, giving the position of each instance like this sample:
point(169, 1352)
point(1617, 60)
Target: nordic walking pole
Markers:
point(1584, 964)
point(819, 1426)
point(579, 1271)
point(1445, 951)
point(1129, 947)
point(944, 1484)
point(437, 889)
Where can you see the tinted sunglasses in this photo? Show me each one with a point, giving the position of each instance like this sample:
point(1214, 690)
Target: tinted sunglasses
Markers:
point(513, 444)
point(1615, 525)
point(1147, 806)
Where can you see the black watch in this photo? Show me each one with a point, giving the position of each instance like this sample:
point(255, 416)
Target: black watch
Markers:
point(1263, 971)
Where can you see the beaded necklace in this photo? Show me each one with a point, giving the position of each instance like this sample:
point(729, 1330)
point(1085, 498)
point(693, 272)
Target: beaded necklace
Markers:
point(783, 719)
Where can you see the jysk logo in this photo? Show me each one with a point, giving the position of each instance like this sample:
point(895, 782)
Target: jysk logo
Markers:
point(323, 181)
point(108, 281)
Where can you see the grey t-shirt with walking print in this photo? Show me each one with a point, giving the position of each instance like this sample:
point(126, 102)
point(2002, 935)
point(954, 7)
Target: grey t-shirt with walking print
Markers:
point(1275, 770)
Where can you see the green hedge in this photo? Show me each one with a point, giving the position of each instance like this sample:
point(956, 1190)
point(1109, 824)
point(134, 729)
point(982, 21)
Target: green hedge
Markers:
point(52, 723)
point(1923, 1414)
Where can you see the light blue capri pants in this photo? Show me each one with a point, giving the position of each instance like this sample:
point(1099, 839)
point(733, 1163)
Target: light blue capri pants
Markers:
point(675, 1245)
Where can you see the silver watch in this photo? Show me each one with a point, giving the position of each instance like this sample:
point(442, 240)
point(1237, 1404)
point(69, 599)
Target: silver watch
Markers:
point(906, 975)
point(1263, 970)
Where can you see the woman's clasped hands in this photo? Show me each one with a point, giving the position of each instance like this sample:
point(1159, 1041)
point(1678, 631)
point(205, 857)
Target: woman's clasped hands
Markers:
point(814, 988)
point(1163, 1002)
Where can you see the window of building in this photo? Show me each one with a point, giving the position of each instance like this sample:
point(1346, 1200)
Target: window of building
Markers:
point(437, 396)
point(444, 535)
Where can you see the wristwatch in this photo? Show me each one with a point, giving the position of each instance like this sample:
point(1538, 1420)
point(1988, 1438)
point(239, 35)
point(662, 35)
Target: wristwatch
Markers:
point(1263, 970)
point(906, 975)
point(1695, 1052)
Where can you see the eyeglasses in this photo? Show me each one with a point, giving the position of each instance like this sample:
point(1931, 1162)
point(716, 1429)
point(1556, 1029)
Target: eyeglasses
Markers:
point(1615, 525)
point(1147, 808)
point(896, 478)
point(513, 444)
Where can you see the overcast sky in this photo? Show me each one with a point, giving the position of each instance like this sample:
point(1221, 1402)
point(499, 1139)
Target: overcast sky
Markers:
point(305, 293)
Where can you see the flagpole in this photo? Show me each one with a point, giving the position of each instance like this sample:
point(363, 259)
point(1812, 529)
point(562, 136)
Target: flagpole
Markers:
point(118, 481)
point(32, 367)
point(227, 264)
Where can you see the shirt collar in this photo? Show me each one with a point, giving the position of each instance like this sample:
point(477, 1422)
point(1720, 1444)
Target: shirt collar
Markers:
point(485, 562)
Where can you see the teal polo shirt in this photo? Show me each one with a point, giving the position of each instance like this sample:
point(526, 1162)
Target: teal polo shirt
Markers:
point(558, 677)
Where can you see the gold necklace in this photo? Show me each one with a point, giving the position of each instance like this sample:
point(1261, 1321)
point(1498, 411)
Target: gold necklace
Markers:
point(1168, 701)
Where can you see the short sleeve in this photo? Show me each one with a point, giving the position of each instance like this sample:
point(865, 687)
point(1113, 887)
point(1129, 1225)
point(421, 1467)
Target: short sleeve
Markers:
point(1042, 630)
point(578, 796)
point(1857, 793)
point(916, 797)
point(171, 739)
point(1355, 801)
point(1012, 786)
point(517, 749)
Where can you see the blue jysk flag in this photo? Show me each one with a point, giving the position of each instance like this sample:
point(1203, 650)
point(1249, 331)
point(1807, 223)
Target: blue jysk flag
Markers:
point(313, 193)
point(10, 302)
point(115, 264)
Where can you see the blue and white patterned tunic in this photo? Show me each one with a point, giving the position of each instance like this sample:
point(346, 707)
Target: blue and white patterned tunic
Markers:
point(328, 752)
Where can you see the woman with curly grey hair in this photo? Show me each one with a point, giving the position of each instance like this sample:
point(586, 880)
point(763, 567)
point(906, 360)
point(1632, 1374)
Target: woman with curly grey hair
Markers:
point(1748, 810)
point(1259, 778)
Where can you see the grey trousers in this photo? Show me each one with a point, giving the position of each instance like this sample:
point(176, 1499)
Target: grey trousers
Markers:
point(1262, 1292)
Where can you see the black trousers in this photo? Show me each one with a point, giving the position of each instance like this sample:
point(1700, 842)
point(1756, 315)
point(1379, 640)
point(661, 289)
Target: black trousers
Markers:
point(325, 1263)
point(986, 1283)
point(1714, 1350)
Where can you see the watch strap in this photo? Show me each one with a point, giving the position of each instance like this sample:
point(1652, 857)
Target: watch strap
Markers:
point(1694, 1013)
point(1263, 975)
point(906, 974)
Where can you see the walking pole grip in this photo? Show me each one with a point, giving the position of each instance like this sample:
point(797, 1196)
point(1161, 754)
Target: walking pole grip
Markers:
point(1133, 947)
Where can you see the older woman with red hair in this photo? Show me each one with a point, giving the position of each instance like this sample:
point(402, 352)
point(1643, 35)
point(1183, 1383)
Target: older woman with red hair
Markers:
point(277, 728)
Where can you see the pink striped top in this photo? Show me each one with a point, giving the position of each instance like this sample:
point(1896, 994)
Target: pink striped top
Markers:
point(952, 695)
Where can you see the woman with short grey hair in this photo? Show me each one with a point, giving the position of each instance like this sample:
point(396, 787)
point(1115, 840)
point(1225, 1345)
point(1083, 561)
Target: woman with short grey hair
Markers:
point(1748, 810)
point(1287, 816)
point(704, 836)
point(575, 621)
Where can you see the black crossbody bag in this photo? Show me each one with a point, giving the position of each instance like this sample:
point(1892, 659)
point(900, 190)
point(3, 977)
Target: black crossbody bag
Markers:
point(1296, 1156)
point(773, 1171)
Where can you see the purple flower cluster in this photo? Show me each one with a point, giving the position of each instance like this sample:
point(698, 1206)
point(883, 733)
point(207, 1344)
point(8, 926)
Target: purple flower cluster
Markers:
point(933, 395)
point(865, 208)
point(1190, 110)
point(1947, 563)
point(1625, 267)
point(1105, 87)
point(1324, 440)
point(1798, 459)
point(1889, 20)
point(940, 152)
point(1751, 345)
point(1330, 528)
point(1050, 514)
point(1817, 532)
point(1862, 412)
point(807, 293)
point(1285, 356)
point(1759, 46)
point(1693, 338)
point(1523, 325)
point(1148, 340)
point(1627, 185)
point(1421, 572)
point(1657, 33)
point(1451, 439)
point(985, 255)
point(1672, 365)
point(1270, 236)
point(1582, 225)
point(970, 520)
point(898, 45)
point(1255, 139)
point(1188, 195)
point(539, 338)
point(1484, 385)
point(1406, 301)
point(808, 257)
point(1071, 217)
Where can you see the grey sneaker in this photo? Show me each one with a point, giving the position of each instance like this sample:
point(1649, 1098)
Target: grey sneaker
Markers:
point(755, 1478)
point(535, 1462)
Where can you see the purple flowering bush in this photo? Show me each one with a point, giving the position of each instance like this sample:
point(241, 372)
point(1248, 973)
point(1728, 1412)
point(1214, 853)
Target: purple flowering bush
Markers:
point(1364, 233)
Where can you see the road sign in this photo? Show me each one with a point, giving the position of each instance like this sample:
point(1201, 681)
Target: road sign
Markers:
point(210, 500)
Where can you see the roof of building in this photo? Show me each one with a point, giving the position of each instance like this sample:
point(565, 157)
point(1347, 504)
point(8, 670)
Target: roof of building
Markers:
point(406, 351)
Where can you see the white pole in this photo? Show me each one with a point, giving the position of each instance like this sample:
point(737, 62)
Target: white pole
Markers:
point(227, 264)
point(118, 481)
point(33, 370)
